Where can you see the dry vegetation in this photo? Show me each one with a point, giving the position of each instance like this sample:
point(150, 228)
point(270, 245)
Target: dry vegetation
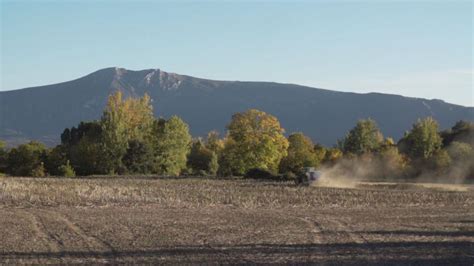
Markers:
point(114, 220)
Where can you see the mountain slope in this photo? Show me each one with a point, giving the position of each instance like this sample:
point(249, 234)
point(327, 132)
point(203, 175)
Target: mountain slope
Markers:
point(43, 112)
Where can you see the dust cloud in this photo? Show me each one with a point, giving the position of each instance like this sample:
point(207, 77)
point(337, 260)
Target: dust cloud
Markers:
point(346, 173)
point(359, 171)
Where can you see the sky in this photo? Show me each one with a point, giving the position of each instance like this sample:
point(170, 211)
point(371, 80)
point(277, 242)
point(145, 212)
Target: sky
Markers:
point(418, 49)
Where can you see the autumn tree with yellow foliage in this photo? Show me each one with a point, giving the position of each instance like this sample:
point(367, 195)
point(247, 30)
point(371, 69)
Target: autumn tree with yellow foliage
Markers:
point(124, 120)
point(301, 153)
point(254, 140)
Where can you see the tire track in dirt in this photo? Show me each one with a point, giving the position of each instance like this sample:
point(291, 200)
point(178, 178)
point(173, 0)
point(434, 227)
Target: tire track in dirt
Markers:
point(227, 255)
point(315, 229)
point(52, 242)
point(345, 228)
point(93, 243)
point(126, 230)
point(319, 236)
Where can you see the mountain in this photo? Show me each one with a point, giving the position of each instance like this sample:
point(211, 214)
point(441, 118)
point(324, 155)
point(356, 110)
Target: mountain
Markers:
point(43, 112)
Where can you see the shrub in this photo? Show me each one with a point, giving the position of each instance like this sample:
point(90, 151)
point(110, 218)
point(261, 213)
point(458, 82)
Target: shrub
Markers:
point(39, 171)
point(202, 173)
point(27, 160)
point(440, 161)
point(459, 151)
point(66, 170)
point(201, 160)
point(392, 163)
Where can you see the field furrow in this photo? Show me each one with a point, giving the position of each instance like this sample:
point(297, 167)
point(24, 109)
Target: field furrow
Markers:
point(237, 222)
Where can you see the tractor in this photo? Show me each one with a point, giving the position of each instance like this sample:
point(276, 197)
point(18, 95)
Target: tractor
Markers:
point(308, 176)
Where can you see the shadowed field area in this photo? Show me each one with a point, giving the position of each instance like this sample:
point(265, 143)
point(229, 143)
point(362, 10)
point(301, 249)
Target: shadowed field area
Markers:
point(231, 221)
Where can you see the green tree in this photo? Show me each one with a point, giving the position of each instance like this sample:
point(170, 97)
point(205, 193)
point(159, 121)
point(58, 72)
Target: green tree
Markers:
point(139, 157)
point(392, 164)
point(91, 130)
point(364, 137)
point(83, 147)
point(462, 165)
point(122, 121)
point(3, 157)
point(255, 140)
point(423, 141)
point(201, 159)
point(213, 164)
point(332, 155)
point(300, 154)
point(320, 152)
point(88, 158)
point(214, 143)
point(462, 131)
point(388, 143)
point(440, 161)
point(227, 158)
point(460, 151)
point(56, 157)
point(27, 160)
point(171, 143)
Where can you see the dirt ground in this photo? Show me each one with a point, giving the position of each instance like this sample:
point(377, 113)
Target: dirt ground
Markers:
point(58, 221)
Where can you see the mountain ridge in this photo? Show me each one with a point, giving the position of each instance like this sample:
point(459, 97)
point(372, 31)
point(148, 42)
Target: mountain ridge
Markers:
point(244, 81)
point(43, 112)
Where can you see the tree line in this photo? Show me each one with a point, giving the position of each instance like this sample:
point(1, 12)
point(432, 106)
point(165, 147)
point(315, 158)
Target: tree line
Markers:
point(128, 139)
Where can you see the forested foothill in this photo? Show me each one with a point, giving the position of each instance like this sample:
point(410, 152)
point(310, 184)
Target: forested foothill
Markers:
point(129, 140)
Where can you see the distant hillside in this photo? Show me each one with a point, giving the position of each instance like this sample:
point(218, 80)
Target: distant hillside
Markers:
point(43, 112)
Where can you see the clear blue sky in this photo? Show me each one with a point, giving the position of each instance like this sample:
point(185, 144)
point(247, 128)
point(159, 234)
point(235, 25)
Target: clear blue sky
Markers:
point(422, 49)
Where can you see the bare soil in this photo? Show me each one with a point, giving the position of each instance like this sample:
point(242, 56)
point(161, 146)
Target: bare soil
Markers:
point(194, 221)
